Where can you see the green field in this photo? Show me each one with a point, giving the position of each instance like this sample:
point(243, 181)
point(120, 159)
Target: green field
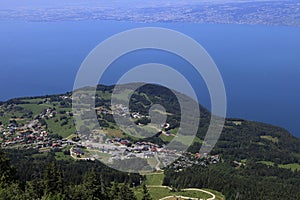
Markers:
point(291, 166)
point(104, 157)
point(154, 179)
point(62, 156)
point(35, 108)
point(270, 138)
point(219, 195)
point(55, 127)
point(104, 95)
point(159, 192)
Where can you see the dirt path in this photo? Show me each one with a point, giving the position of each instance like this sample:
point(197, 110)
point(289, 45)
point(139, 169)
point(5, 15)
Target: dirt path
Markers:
point(187, 189)
point(158, 163)
point(176, 197)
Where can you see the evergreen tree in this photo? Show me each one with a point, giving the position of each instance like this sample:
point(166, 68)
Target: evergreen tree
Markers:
point(115, 191)
point(34, 189)
point(9, 187)
point(12, 192)
point(94, 186)
point(7, 172)
point(126, 193)
point(146, 194)
point(76, 192)
point(53, 180)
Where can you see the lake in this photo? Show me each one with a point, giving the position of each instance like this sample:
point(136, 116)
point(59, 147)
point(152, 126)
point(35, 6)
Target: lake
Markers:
point(260, 65)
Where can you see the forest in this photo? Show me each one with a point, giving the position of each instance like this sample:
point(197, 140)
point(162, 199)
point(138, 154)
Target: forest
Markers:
point(253, 181)
point(24, 175)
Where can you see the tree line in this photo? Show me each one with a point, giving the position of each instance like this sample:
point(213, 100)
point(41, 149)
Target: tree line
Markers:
point(48, 179)
point(253, 181)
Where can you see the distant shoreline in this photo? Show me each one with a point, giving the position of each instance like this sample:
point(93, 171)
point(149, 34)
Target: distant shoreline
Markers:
point(279, 13)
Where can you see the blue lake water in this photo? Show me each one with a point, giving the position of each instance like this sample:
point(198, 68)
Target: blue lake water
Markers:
point(260, 65)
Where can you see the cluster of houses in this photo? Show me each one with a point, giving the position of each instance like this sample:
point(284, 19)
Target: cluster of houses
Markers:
point(188, 159)
point(137, 115)
point(48, 113)
point(78, 153)
point(123, 110)
point(30, 135)
point(120, 109)
point(102, 110)
point(34, 136)
point(65, 97)
point(120, 149)
point(123, 149)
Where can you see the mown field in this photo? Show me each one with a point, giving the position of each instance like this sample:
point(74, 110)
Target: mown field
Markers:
point(154, 184)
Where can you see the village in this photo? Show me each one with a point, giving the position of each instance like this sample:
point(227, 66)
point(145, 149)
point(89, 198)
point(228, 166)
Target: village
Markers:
point(112, 149)
point(118, 149)
point(32, 134)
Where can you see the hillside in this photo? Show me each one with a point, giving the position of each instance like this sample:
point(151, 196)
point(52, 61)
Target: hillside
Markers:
point(251, 160)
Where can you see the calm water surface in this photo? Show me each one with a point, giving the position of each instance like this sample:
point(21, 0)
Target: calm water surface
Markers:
point(260, 65)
